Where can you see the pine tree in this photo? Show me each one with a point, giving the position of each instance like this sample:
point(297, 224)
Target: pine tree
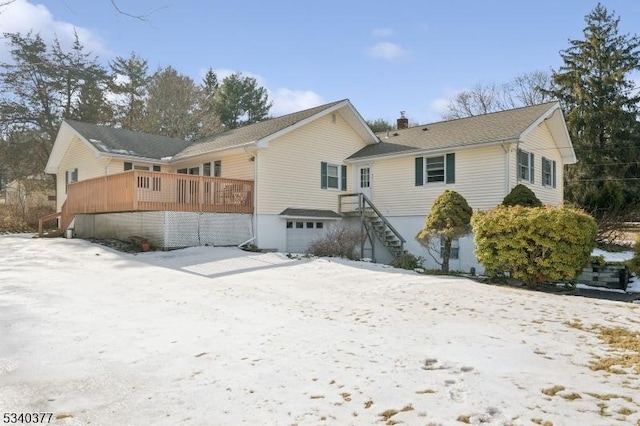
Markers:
point(208, 120)
point(130, 79)
point(75, 70)
point(240, 101)
point(602, 107)
point(30, 100)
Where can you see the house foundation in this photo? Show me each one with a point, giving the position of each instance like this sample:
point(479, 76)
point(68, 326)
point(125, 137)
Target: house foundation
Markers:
point(168, 229)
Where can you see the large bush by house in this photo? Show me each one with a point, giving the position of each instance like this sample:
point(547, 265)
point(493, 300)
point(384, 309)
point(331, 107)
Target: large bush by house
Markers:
point(521, 195)
point(535, 245)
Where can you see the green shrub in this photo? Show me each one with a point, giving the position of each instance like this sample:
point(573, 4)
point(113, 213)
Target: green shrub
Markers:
point(634, 263)
point(447, 220)
point(535, 245)
point(339, 241)
point(521, 195)
point(407, 261)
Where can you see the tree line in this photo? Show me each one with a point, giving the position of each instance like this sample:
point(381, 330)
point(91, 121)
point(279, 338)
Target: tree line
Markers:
point(44, 84)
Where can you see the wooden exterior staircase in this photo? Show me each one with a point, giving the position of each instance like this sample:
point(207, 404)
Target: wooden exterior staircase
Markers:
point(374, 224)
point(64, 216)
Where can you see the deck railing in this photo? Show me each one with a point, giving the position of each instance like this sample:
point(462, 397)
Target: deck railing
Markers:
point(137, 190)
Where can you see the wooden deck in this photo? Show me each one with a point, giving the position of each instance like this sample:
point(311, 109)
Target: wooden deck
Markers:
point(137, 190)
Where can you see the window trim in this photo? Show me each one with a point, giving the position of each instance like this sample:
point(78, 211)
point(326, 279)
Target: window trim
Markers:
point(444, 169)
point(530, 171)
point(449, 169)
point(341, 170)
point(70, 176)
point(551, 174)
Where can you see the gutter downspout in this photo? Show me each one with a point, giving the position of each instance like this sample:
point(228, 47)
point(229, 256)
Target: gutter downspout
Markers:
point(254, 219)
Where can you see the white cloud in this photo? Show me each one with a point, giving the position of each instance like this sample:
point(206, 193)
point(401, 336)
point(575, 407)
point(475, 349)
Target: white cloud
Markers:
point(382, 32)
point(286, 101)
point(22, 16)
point(438, 107)
point(388, 51)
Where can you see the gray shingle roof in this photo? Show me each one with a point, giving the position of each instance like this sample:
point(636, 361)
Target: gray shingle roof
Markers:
point(251, 132)
point(126, 142)
point(309, 213)
point(502, 125)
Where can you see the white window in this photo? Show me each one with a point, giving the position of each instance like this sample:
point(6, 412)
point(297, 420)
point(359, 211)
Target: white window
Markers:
point(455, 249)
point(333, 176)
point(525, 166)
point(548, 172)
point(365, 177)
point(71, 176)
point(435, 169)
point(217, 169)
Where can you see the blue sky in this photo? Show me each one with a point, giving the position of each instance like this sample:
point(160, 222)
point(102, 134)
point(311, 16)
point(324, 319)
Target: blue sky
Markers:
point(386, 56)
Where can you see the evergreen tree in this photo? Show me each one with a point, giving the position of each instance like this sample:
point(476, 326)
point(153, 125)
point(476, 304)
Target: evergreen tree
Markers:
point(448, 219)
point(379, 125)
point(240, 101)
point(75, 70)
point(29, 97)
point(130, 79)
point(208, 120)
point(601, 104)
point(92, 106)
point(171, 105)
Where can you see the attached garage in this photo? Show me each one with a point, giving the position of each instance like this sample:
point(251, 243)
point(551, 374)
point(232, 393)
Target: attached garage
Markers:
point(304, 226)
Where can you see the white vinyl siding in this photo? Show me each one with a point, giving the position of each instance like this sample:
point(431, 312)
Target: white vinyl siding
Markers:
point(78, 156)
point(479, 177)
point(230, 166)
point(541, 144)
point(289, 172)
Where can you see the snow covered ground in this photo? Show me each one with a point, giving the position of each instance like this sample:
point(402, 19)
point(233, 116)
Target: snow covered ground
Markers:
point(215, 336)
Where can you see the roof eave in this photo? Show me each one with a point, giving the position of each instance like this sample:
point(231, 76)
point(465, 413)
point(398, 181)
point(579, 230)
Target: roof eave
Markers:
point(567, 153)
point(425, 151)
point(245, 146)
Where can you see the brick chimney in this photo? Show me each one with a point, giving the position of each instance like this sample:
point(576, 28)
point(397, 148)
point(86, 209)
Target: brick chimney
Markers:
point(403, 122)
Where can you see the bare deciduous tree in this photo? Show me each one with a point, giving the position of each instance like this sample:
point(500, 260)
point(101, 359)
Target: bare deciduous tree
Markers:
point(525, 89)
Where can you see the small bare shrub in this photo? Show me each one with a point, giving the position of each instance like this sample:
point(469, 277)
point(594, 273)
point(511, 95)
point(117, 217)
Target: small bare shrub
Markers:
point(407, 261)
point(339, 241)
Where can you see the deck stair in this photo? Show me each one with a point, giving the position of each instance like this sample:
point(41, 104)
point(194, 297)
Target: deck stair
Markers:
point(374, 224)
point(64, 218)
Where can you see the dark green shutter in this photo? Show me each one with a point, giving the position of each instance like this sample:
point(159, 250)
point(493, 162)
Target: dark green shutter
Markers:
point(128, 166)
point(532, 171)
point(553, 178)
point(344, 178)
point(419, 171)
point(323, 175)
point(451, 168)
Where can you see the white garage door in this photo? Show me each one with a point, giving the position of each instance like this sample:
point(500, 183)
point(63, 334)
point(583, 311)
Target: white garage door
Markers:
point(301, 232)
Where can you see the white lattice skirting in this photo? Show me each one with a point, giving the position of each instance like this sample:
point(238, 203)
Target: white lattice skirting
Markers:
point(168, 230)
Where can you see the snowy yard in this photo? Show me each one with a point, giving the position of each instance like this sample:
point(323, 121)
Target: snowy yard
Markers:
point(209, 336)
